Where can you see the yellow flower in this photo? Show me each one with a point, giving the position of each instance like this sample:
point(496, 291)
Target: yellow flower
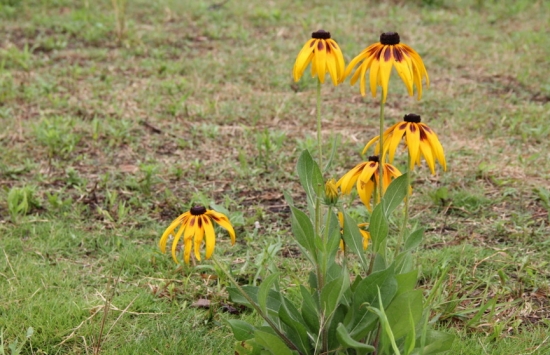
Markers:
point(331, 192)
point(325, 56)
point(366, 176)
point(380, 58)
point(364, 233)
point(420, 139)
point(194, 225)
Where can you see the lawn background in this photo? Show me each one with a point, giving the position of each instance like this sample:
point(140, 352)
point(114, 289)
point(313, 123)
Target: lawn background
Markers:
point(110, 132)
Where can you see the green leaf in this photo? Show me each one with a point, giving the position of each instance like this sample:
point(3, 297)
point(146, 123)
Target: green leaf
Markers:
point(292, 318)
point(272, 343)
point(353, 238)
point(310, 176)
point(332, 292)
point(241, 329)
point(378, 228)
point(384, 323)
point(273, 302)
point(334, 236)
point(395, 194)
point(346, 341)
point(414, 239)
point(264, 291)
point(404, 303)
point(410, 341)
point(436, 342)
point(310, 311)
point(366, 292)
point(302, 229)
point(406, 282)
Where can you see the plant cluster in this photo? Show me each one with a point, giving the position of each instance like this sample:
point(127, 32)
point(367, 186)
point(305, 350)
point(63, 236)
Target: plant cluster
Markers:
point(360, 296)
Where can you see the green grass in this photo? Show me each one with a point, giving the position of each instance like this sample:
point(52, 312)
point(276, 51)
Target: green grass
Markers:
point(109, 136)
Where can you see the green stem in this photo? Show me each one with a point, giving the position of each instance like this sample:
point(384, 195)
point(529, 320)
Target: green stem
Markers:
point(257, 308)
point(401, 234)
point(381, 156)
point(319, 140)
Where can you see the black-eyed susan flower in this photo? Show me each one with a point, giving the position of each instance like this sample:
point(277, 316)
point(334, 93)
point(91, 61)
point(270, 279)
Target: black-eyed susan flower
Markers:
point(331, 192)
point(366, 175)
point(421, 140)
point(380, 58)
point(325, 56)
point(364, 233)
point(194, 225)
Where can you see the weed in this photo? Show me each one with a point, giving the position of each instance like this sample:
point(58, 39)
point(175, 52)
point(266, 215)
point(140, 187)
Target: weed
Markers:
point(21, 201)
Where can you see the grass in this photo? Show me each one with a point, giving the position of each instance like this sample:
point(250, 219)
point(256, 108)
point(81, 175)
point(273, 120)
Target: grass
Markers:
point(111, 129)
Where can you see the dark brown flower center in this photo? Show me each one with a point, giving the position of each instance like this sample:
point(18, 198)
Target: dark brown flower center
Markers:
point(321, 34)
point(198, 210)
point(412, 117)
point(374, 158)
point(389, 38)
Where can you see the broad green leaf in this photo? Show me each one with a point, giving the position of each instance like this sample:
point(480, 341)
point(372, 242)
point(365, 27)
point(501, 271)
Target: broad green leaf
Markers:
point(332, 292)
point(403, 263)
point(406, 282)
point(264, 291)
point(302, 229)
point(296, 324)
point(366, 292)
point(384, 323)
point(310, 311)
point(353, 238)
point(402, 304)
point(395, 194)
point(346, 341)
point(334, 236)
point(410, 341)
point(248, 347)
point(272, 343)
point(378, 228)
point(310, 176)
point(414, 239)
point(436, 342)
point(241, 330)
point(338, 317)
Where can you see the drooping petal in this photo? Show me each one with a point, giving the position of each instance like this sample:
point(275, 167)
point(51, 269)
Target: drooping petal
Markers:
point(346, 182)
point(188, 237)
point(210, 238)
point(331, 65)
point(413, 142)
point(199, 234)
point(398, 130)
point(426, 150)
point(386, 63)
point(374, 69)
point(175, 242)
point(370, 143)
point(339, 57)
point(402, 68)
point(365, 190)
point(302, 60)
point(181, 220)
point(321, 59)
point(223, 221)
point(436, 145)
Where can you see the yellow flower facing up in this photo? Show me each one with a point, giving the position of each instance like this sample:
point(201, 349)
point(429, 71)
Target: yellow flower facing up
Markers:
point(380, 58)
point(325, 56)
point(421, 140)
point(366, 176)
point(364, 233)
point(194, 225)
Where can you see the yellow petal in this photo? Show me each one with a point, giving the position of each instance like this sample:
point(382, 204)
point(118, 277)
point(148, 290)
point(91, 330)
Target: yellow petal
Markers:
point(374, 69)
point(402, 68)
point(303, 59)
point(370, 143)
point(320, 59)
point(399, 130)
point(413, 142)
point(426, 150)
point(346, 182)
point(339, 57)
point(223, 221)
point(365, 189)
point(386, 63)
point(199, 234)
point(331, 66)
point(210, 238)
point(187, 247)
point(175, 242)
point(436, 145)
point(181, 220)
point(364, 54)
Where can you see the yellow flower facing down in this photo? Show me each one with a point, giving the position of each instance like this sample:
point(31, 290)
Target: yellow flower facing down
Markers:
point(364, 233)
point(325, 56)
point(420, 139)
point(366, 175)
point(380, 57)
point(195, 225)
